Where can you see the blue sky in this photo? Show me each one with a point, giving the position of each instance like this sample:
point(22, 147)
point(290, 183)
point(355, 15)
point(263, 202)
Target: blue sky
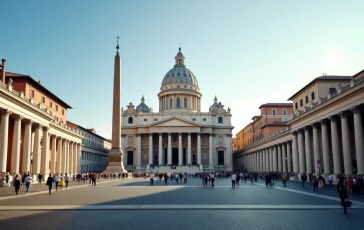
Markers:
point(247, 52)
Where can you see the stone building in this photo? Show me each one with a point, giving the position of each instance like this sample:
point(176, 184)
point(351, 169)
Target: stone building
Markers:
point(180, 133)
point(94, 149)
point(34, 135)
point(325, 135)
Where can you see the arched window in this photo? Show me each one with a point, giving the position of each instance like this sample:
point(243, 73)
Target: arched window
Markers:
point(170, 103)
point(185, 103)
point(220, 120)
point(130, 120)
point(178, 103)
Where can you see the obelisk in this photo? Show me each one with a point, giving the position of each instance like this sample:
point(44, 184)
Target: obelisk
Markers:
point(116, 155)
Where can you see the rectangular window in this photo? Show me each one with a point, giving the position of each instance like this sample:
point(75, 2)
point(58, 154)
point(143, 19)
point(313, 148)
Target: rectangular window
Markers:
point(62, 111)
point(32, 93)
point(313, 96)
point(130, 158)
point(193, 119)
point(332, 90)
point(204, 119)
point(43, 99)
point(284, 111)
point(145, 119)
point(51, 104)
point(57, 108)
point(274, 112)
point(296, 105)
point(155, 119)
point(306, 99)
point(301, 103)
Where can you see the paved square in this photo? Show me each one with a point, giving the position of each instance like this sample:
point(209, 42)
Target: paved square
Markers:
point(134, 204)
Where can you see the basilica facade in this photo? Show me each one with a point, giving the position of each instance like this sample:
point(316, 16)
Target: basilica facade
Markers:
point(180, 134)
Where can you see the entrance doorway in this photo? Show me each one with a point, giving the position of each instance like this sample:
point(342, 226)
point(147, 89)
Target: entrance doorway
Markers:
point(165, 156)
point(184, 157)
point(175, 156)
point(130, 159)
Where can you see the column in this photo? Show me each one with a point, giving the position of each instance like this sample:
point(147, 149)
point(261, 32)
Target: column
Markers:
point(279, 147)
point(198, 148)
point(4, 133)
point(64, 155)
point(160, 153)
point(270, 159)
point(139, 158)
point(169, 149)
point(189, 147)
point(75, 158)
point(78, 157)
point(295, 153)
point(15, 157)
point(261, 160)
point(308, 151)
point(316, 148)
point(284, 158)
point(27, 146)
point(289, 157)
point(53, 157)
point(359, 147)
point(180, 150)
point(335, 147)
point(301, 152)
point(59, 155)
point(36, 150)
point(211, 163)
point(348, 166)
point(150, 148)
point(267, 159)
point(275, 166)
point(70, 161)
point(325, 148)
point(45, 152)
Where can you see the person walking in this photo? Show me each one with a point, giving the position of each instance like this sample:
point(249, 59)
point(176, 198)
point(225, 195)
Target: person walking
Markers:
point(61, 183)
point(315, 184)
point(205, 179)
point(284, 179)
point(345, 203)
point(212, 178)
point(320, 184)
point(17, 184)
point(233, 180)
point(50, 182)
point(151, 176)
point(66, 179)
point(165, 178)
point(28, 182)
point(56, 180)
point(331, 180)
point(303, 179)
point(177, 177)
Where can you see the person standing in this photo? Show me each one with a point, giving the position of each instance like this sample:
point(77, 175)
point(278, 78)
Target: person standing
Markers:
point(165, 178)
point(177, 177)
point(233, 180)
point(66, 179)
point(151, 176)
point(17, 184)
point(28, 182)
point(284, 179)
point(61, 182)
point(50, 182)
point(7, 179)
point(56, 180)
point(315, 184)
point(303, 179)
point(330, 179)
point(185, 179)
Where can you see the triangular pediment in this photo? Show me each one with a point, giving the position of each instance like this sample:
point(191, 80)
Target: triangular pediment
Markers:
point(175, 122)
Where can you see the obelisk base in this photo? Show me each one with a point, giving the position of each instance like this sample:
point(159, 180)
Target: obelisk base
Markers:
point(116, 162)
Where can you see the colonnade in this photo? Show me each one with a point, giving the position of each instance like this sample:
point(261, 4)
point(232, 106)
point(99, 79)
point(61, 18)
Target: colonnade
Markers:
point(169, 148)
point(332, 145)
point(38, 150)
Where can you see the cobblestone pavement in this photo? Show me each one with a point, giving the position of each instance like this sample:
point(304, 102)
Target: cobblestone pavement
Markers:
point(134, 204)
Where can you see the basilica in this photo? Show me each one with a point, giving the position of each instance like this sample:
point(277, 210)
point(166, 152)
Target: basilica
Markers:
point(180, 134)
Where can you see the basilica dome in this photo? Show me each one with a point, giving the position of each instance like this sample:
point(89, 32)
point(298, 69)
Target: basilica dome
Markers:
point(179, 74)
